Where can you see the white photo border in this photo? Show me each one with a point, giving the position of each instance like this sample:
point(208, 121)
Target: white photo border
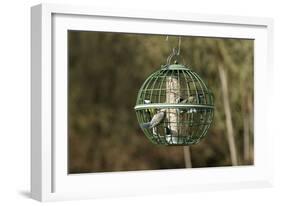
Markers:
point(50, 179)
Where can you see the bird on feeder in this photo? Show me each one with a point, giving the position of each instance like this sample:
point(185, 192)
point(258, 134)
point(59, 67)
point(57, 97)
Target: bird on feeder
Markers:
point(190, 99)
point(156, 120)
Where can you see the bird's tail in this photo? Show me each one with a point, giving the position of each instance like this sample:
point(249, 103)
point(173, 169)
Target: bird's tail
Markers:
point(145, 125)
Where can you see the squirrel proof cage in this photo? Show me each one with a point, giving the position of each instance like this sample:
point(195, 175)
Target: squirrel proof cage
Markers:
point(174, 106)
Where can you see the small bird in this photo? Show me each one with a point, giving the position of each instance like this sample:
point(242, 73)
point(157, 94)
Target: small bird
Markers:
point(180, 100)
point(190, 99)
point(156, 119)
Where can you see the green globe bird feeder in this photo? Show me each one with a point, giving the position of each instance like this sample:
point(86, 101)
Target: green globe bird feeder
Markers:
point(174, 106)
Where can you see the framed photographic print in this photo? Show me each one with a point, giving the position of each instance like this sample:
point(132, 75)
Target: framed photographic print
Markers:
point(137, 102)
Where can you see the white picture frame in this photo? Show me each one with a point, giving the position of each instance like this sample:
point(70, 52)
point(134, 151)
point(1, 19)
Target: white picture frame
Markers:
point(49, 178)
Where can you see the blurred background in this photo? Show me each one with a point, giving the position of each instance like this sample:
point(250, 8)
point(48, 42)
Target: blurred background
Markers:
point(106, 70)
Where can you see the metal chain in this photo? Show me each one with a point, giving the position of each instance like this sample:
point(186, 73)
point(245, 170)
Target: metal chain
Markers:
point(175, 51)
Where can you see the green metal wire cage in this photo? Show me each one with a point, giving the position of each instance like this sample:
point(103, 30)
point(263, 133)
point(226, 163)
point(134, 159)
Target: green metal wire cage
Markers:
point(174, 106)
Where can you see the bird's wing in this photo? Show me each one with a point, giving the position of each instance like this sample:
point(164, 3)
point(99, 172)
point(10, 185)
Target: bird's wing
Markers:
point(184, 101)
point(157, 118)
